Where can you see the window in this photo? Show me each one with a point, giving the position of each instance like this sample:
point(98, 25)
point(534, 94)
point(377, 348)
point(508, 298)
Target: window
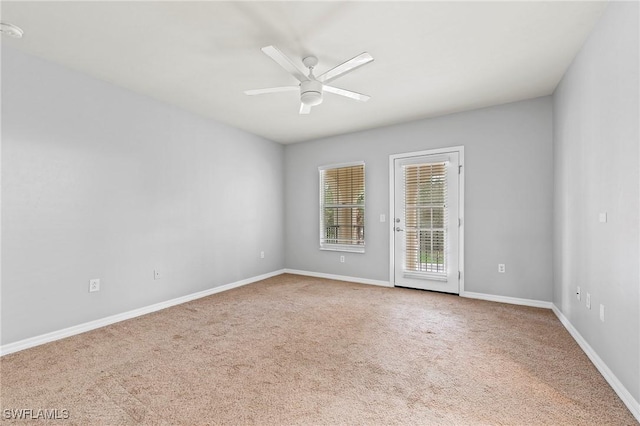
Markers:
point(342, 207)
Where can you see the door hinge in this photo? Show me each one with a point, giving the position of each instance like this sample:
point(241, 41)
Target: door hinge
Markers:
point(459, 222)
point(459, 275)
point(460, 169)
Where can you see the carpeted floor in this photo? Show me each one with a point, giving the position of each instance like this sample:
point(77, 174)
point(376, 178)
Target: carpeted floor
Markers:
point(300, 350)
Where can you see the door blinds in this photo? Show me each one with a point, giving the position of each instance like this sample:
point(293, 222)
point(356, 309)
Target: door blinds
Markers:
point(426, 217)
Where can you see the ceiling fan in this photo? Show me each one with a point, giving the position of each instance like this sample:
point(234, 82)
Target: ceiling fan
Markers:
point(312, 87)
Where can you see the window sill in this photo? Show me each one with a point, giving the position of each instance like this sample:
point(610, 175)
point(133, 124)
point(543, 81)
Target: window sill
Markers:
point(346, 249)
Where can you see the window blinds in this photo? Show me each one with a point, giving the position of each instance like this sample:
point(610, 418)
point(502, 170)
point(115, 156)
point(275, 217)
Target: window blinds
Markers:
point(342, 206)
point(426, 217)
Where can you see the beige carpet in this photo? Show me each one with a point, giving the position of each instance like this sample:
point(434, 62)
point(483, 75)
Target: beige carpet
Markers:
point(299, 350)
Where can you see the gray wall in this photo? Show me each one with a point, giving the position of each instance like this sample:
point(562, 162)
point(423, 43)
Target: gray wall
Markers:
point(508, 196)
point(98, 182)
point(597, 170)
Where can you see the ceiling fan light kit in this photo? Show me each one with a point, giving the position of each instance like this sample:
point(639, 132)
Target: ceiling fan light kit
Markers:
point(311, 92)
point(312, 88)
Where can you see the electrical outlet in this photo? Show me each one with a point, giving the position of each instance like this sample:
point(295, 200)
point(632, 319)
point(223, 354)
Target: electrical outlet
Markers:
point(94, 285)
point(341, 259)
point(578, 294)
point(588, 301)
point(157, 275)
point(601, 312)
point(501, 268)
point(261, 255)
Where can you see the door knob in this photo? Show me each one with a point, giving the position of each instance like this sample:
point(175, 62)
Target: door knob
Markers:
point(398, 229)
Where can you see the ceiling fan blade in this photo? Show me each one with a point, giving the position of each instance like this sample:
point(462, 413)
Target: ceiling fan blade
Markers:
point(284, 62)
point(346, 67)
point(304, 108)
point(347, 93)
point(271, 90)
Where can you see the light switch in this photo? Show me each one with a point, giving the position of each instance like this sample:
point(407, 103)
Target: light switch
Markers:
point(383, 218)
point(602, 217)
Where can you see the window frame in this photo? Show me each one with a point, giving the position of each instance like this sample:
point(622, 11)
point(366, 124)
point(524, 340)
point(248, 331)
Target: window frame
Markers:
point(348, 248)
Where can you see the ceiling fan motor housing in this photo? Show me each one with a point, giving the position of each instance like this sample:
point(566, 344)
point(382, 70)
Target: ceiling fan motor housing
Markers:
point(311, 92)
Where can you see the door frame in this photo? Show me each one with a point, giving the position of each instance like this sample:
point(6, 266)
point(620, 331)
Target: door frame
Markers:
point(392, 213)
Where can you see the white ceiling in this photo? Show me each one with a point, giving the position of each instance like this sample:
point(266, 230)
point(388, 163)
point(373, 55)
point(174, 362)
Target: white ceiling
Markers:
point(431, 58)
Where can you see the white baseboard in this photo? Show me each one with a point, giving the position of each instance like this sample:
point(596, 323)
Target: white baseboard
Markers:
point(339, 277)
point(618, 387)
point(505, 299)
point(92, 325)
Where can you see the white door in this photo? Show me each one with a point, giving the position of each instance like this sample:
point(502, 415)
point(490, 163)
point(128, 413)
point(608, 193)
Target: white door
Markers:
point(426, 221)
